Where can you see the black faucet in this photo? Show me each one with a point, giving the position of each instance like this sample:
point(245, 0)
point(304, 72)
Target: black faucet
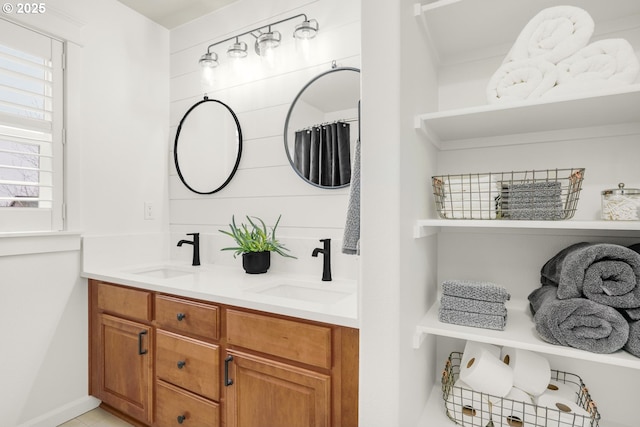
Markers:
point(196, 247)
point(326, 252)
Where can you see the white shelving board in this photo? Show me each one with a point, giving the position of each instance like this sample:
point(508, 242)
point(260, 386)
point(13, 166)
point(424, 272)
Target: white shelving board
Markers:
point(519, 332)
point(425, 227)
point(497, 120)
point(461, 27)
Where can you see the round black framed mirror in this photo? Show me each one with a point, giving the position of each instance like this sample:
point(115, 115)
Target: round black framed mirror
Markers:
point(208, 146)
point(322, 127)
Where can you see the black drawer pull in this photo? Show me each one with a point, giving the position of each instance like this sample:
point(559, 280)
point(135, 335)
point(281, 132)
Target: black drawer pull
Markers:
point(140, 350)
point(180, 316)
point(181, 364)
point(181, 419)
point(227, 381)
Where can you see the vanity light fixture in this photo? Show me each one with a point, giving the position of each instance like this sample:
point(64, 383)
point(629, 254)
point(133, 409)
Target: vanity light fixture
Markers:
point(306, 30)
point(266, 40)
point(237, 49)
point(209, 60)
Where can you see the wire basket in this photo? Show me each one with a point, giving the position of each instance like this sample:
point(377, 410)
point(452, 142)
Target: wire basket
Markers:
point(550, 194)
point(502, 412)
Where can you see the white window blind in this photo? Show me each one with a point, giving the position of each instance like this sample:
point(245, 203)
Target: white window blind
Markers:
point(31, 155)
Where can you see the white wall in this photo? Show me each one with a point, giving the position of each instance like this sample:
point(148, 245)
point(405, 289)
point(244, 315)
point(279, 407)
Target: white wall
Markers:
point(265, 184)
point(398, 271)
point(117, 111)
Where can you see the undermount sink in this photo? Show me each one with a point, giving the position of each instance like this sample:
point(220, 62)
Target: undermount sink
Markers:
point(304, 292)
point(164, 272)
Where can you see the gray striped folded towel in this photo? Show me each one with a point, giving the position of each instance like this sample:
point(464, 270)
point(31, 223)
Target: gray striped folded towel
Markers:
point(449, 302)
point(483, 291)
point(476, 320)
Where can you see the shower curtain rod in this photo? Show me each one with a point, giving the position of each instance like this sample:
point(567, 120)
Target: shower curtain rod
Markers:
point(355, 119)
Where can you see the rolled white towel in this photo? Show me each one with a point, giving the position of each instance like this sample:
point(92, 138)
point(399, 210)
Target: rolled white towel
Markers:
point(553, 34)
point(521, 80)
point(602, 65)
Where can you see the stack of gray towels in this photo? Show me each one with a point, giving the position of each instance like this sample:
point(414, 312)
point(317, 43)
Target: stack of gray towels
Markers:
point(473, 303)
point(531, 200)
point(590, 298)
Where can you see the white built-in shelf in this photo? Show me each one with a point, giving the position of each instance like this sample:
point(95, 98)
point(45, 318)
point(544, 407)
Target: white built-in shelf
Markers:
point(500, 120)
point(426, 227)
point(520, 332)
point(462, 28)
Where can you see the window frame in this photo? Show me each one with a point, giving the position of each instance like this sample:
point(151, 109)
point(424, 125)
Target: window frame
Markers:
point(37, 219)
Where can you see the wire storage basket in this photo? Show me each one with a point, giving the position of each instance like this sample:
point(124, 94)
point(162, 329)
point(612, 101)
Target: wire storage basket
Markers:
point(550, 194)
point(470, 408)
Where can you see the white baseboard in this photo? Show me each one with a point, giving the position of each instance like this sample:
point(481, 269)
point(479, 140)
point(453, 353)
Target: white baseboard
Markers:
point(63, 414)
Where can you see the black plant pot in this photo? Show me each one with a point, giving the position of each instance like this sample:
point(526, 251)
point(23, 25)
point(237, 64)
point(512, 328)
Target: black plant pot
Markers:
point(256, 262)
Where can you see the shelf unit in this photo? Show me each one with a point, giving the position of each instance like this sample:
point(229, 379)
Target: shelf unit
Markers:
point(461, 33)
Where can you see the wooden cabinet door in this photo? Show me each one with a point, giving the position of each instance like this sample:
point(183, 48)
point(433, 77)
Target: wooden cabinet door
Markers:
point(124, 366)
point(266, 393)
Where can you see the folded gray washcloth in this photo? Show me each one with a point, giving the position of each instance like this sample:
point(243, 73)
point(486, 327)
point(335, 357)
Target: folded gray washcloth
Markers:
point(535, 214)
point(476, 320)
point(605, 273)
point(483, 291)
point(449, 302)
point(633, 344)
point(577, 322)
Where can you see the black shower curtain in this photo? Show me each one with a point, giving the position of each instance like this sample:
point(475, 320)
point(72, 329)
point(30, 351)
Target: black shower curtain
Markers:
point(322, 154)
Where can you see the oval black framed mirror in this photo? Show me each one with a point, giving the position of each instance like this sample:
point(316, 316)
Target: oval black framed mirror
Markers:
point(208, 146)
point(322, 127)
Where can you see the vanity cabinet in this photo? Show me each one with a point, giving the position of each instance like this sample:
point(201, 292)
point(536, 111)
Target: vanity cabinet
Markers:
point(461, 44)
point(122, 343)
point(203, 364)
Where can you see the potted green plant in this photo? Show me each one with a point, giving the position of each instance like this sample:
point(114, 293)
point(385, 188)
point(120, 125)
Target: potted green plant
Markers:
point(255, 243)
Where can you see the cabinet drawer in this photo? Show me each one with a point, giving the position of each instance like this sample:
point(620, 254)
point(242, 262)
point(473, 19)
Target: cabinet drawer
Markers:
point(127, 302)
point(186, 316)
point(188, 363)
point(302, 342)
point(179, 408)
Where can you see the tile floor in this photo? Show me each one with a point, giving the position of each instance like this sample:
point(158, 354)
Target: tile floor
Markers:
point(96, 418)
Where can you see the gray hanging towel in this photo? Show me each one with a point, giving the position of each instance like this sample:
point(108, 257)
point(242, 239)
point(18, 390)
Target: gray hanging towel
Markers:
point(351, 239)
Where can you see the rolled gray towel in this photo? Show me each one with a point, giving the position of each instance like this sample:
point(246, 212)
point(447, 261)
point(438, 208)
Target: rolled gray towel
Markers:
point(633, 343)
point(483, 291)
point(550, 272)
point(577, 322)
point(449, 302)
point(605, 273)
point(476, 320)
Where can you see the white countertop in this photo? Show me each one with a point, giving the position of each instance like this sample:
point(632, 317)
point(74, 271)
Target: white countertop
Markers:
point(232, 286)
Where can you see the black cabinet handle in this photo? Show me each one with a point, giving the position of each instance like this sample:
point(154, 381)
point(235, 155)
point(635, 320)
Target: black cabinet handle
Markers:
point(181, 419)
point(227, 381)
point(181, 364)
point(140, 350)
point(180, 316)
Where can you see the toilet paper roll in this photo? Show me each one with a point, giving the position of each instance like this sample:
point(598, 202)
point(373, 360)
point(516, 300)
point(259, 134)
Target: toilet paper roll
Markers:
point(472, 347)
point(467, 406)
point(487, 374)
point(568, 391)
point(515, 409)
point(562, 411)
point(531, 371)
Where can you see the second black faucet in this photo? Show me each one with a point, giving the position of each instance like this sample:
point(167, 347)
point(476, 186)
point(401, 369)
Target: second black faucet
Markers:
point(326, 252)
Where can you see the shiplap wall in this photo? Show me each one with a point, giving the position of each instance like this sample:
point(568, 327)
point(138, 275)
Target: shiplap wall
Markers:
point(265, 184)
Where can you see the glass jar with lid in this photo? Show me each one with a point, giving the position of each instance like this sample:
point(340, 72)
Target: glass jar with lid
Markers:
point(621, 204)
